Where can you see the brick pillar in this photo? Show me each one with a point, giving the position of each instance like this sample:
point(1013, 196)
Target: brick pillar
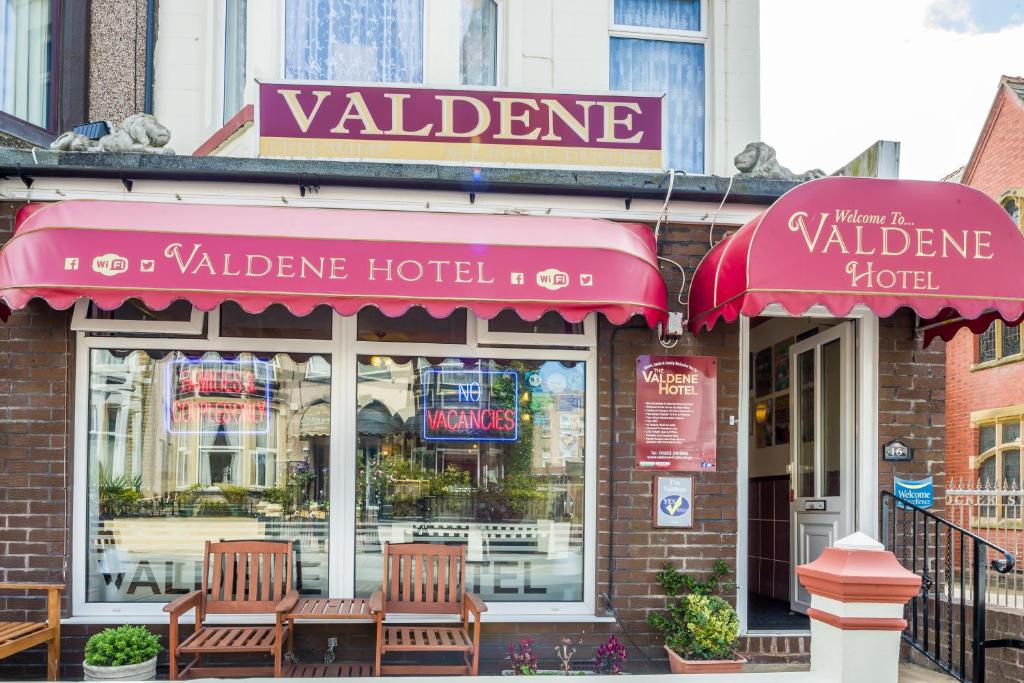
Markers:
point(858, 590)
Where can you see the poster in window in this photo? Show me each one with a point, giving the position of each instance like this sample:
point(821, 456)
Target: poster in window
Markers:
point(782, 365)
point(676, 420)
point(764, 430)
point(782, 420)
point(763, 372)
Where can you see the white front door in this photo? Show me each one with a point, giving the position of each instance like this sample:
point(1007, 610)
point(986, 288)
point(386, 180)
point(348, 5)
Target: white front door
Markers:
point(822, 471)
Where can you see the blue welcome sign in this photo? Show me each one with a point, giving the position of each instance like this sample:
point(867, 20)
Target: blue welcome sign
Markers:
point(919, 492)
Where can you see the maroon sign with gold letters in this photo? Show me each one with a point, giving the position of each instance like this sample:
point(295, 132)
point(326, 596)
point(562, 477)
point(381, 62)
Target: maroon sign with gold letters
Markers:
point(676, 402)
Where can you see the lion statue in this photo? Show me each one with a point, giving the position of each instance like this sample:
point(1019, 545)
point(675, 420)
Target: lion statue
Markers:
point(137, 134)
point(757, 160)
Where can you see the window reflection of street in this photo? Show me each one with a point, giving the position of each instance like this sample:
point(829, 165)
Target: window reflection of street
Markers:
point(237, 447)
point(517, 505)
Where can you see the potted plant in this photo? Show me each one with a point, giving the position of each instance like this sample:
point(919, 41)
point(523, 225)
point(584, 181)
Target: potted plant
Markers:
point(522, 659)
point(701, 629)
point(124, 653)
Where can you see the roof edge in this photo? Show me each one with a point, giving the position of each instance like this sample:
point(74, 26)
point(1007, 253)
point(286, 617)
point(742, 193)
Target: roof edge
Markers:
point(312, 174)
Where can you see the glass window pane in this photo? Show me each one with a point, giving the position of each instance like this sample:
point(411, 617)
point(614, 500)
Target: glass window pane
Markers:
point(659, 66)
point(986, 438)
point(135, 310)
point(1011, 481)
point(276, 322)
point(478, 56)
point(1011, 432)
point(25, 60)
point(831, 417)
point(414, 326)
point(987, 479)
point(682, 15)
point(987, 344)
point(1013, 208)
point(549, 323)
point(485, 453)
point(235, 12)
point(354, 40)
point(805, 449)
point(185, 449)
point(1011, 340)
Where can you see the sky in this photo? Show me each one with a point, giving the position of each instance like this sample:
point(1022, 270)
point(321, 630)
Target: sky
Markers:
point(836, 75)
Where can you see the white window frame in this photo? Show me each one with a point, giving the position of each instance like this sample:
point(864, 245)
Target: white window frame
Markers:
point(480, 327)
point(81, 322)
point(701, 37)
point(342, 350)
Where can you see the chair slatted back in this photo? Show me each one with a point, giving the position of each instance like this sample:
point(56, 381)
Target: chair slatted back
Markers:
point(246, 577)
point(423, 578)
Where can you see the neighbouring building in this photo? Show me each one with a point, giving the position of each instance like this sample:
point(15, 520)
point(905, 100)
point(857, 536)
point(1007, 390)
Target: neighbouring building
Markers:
point(401, 282)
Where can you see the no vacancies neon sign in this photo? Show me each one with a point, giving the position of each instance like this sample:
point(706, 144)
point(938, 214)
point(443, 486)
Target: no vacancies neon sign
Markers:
point(214, 396)
point(468, 405)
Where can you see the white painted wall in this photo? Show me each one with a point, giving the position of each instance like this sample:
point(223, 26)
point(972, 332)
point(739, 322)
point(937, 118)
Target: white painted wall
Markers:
point(543, 44)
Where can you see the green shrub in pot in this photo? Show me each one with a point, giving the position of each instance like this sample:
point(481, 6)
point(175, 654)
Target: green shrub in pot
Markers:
point(122, 653)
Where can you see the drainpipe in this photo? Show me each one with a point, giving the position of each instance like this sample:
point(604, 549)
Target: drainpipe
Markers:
point(147, 96)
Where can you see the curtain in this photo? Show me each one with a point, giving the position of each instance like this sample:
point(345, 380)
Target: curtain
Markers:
point(354, 40)
point(681, 15)
point(658, 66)
point(478, 57)
point(25, 59)
point(235, 12)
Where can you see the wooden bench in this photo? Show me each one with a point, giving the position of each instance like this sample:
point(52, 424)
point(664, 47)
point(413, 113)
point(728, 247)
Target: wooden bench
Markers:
point(239, 577)
point(426, 580)
point(16, 636)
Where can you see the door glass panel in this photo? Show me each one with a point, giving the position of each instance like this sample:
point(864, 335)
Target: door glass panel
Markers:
point(831, 416)
point(805, 449)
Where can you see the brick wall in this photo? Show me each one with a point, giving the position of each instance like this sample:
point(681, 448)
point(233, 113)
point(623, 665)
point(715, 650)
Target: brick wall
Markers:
point(998, 159)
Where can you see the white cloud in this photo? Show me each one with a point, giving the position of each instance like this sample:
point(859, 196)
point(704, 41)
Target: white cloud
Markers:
point(950, 15)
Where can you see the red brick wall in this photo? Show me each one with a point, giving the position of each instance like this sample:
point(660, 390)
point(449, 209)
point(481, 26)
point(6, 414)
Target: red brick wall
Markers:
point(999, 165)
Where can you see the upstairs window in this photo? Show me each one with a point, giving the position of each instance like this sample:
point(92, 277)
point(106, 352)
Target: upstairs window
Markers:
point(235, 17)
point(25, 52)
point(478, 54)
point(354, 40)
point(1000, 341)
point(998, 466)
point(658, 46)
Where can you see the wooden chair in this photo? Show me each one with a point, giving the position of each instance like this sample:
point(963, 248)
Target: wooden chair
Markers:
point(16, 636)
point(239, 577)
point(426, 580)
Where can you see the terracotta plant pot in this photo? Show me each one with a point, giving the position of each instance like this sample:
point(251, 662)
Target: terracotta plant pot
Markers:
point(704, 666)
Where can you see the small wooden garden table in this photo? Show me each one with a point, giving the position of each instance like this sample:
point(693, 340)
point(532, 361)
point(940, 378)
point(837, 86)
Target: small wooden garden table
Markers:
point(329, 609)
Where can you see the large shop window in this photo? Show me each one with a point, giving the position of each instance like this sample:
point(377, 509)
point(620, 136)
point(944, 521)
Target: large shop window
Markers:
point(25, 59)
point(482, 452)
point(189, 447)
point(658, 46)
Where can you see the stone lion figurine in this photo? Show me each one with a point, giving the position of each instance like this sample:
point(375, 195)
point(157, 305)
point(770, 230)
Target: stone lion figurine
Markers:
point(139, 133)
point(757, 160)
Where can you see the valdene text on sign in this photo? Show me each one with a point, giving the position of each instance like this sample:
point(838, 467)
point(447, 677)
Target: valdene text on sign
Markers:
point(676, 401)
point(470, 405)
point(460, 126)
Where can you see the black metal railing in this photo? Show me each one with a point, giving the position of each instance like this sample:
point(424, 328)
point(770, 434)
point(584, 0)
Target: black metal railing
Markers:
point(946, 621)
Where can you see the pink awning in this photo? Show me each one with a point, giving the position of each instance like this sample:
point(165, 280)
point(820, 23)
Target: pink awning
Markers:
point(946, 251)
point(110, 251)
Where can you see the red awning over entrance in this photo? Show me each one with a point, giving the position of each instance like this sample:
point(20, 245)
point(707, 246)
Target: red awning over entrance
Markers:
point(207, 254)
point(946, 251)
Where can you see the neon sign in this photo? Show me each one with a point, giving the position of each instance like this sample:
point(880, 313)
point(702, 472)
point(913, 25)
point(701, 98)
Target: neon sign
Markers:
point(463, 405)
point(214, 396)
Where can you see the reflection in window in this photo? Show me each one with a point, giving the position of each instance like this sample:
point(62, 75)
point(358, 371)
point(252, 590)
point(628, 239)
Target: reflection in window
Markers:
point(189, 448)
point(354, 40)
point(25, 60)
point(485, 453)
